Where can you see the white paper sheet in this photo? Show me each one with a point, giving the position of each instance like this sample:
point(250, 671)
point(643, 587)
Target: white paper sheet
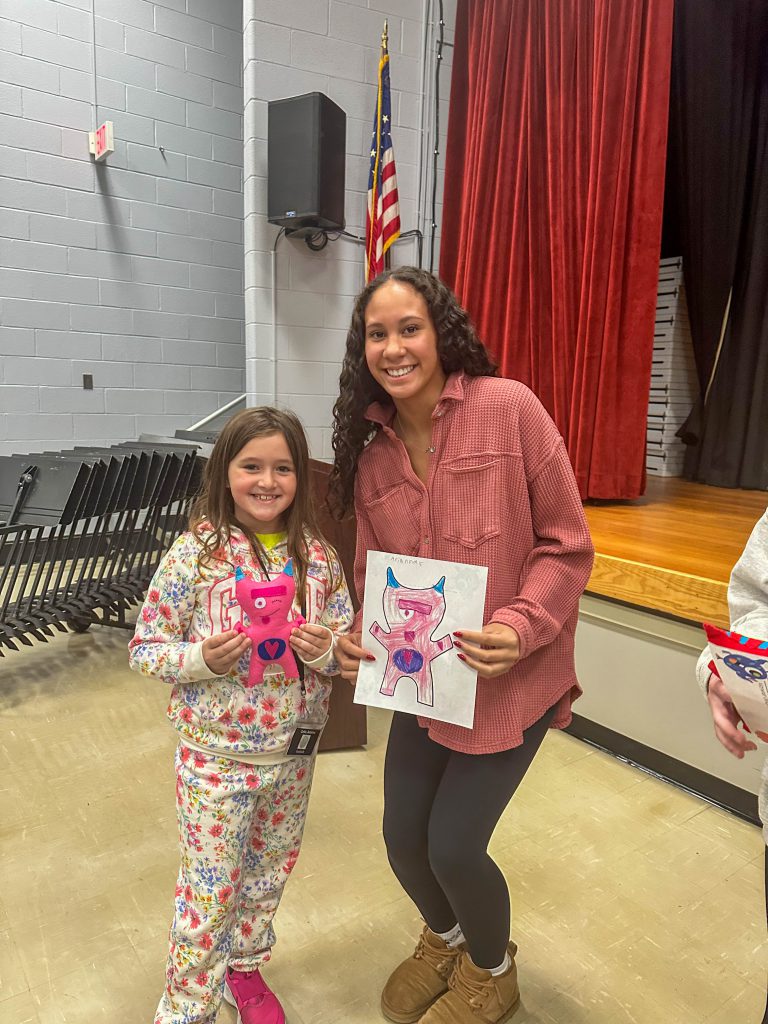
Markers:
point(745, 676)
point(411, 608)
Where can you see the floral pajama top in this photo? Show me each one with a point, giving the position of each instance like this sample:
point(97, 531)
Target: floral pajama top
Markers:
point(186, 604)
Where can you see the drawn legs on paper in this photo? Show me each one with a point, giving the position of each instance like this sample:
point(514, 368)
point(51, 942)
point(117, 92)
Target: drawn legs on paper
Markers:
point(408, 663)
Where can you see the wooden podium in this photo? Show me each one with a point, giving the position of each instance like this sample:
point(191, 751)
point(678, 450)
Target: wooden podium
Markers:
point(347, 725)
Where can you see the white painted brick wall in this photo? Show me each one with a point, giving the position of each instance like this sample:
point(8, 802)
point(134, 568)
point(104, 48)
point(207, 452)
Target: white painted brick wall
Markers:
point(332, 47)
point(130, 271)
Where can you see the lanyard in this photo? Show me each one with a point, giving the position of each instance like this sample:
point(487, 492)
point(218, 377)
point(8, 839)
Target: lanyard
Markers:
point(256, 547)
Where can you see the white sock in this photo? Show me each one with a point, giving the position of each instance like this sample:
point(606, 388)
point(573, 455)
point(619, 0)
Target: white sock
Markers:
point(503, 966)
point(453, 938)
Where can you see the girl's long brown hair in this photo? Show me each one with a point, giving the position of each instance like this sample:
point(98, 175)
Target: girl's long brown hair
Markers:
point(458, 348)
point(212, 516)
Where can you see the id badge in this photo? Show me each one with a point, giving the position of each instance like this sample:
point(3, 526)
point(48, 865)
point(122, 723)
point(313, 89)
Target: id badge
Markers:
point(305, 738)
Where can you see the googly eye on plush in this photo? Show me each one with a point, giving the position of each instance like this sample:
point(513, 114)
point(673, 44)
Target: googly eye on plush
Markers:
point(260, 602)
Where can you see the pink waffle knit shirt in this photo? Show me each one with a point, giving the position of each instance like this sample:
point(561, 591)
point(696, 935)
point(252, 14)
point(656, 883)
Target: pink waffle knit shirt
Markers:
point(500, 493)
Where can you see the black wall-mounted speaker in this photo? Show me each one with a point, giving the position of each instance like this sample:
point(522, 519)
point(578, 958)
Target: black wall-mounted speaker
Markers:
point(306, 158)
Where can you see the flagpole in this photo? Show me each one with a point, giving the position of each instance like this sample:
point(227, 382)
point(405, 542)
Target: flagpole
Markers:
point(385, 49)
point(374, 193)
point(382, 216)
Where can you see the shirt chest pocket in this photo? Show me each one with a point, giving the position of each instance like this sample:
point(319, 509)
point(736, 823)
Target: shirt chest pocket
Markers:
point(471, 488)
point(394, 516)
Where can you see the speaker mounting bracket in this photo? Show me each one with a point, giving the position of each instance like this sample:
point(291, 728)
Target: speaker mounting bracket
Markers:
point(315, 239)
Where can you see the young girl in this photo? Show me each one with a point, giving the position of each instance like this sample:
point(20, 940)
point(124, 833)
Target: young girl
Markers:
point(242, 793)
point(466, 467)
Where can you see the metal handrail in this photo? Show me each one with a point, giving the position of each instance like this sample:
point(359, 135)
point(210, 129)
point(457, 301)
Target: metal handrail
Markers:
point(212, 416)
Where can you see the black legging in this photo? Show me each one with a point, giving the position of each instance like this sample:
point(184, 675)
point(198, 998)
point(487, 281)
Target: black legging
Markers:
point(440, 810)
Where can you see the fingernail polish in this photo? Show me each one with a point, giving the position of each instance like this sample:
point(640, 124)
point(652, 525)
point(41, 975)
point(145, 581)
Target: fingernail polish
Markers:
point(457, 633)
point(369, 657)
point(461, 656)
point(457, 643)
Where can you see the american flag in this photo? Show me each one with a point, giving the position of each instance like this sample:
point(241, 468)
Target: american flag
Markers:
point(382, 223)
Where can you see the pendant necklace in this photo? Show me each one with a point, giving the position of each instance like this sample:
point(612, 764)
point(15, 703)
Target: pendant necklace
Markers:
point(430, 450)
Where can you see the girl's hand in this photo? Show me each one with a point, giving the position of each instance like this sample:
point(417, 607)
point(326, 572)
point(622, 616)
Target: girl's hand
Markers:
point(223, 650)
point(726, 719)
point(349, 654)
point(311, 642)
point(492, 651)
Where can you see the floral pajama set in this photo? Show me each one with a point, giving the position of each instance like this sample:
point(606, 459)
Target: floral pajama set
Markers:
point(241, 799)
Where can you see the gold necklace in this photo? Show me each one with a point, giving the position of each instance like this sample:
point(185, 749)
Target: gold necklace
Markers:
point(429, 450)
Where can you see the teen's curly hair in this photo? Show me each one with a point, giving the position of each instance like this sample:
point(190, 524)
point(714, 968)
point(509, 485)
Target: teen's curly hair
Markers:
point(458, 347)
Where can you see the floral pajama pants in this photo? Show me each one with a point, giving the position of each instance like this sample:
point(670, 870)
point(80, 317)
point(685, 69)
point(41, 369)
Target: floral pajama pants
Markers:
point(240, 829)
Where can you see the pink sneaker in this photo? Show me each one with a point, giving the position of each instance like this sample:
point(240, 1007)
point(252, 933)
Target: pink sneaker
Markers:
point(256, 1003)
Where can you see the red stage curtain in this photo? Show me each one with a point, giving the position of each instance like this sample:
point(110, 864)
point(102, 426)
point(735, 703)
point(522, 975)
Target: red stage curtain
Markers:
point(552, 214)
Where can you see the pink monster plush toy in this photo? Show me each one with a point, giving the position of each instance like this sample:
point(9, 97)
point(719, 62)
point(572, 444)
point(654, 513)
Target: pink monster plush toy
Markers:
point(267, 604)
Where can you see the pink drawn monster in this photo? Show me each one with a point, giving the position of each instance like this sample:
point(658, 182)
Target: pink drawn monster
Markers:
point(267, 603)
point(412, 616)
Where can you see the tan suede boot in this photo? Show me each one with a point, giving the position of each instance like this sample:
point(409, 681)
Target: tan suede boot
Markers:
point(475, 996)
point(420, 980)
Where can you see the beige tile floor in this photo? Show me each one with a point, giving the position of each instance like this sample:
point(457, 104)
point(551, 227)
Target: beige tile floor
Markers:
point(633, 902)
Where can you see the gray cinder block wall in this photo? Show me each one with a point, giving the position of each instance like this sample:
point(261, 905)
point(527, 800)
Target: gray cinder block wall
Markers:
point(130, 271)
point(331, 47)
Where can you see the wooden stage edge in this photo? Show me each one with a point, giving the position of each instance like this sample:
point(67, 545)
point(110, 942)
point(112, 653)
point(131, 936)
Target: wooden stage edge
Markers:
point(672, 550)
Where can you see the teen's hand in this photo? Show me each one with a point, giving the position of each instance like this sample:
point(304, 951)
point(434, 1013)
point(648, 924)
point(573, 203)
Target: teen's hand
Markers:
point(223, 650)
point(492, 651)
point(310, 641)
point(726, 719)
point(349, 654)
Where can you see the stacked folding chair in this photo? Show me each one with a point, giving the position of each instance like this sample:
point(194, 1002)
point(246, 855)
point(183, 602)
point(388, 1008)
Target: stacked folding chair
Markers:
point(673, 374)
point(82, 531)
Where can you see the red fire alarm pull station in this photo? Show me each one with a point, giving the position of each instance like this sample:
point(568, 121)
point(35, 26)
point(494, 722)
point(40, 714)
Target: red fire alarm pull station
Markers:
point(102, 141)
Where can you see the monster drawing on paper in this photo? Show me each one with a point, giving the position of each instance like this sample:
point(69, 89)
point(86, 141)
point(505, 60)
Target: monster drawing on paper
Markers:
point(412, 616)
point(268, 603)
point(750, 669)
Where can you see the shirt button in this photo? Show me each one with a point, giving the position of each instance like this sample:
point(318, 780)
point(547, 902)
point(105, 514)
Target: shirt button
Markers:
point(426, 540)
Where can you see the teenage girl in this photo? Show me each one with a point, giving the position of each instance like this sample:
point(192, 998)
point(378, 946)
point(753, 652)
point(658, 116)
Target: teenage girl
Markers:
point(243, 781)
point(445, 460)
